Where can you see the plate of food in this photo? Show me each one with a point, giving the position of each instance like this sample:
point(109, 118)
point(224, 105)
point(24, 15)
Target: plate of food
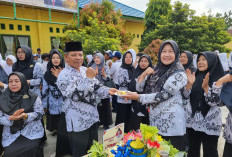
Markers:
point(120, 93)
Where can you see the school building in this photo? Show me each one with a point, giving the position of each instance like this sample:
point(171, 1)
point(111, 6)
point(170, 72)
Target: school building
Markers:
point(37, 22)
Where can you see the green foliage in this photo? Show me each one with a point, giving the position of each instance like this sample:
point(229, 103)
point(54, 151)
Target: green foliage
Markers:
point(93, 37)
point(155, 9)
point(227, 17)
point(193, 33)
point(100, 28)
point(96, 150)
point(153, 49)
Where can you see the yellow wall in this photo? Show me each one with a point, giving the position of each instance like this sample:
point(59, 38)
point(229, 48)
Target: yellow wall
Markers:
point(137, 30)
point(39, 33)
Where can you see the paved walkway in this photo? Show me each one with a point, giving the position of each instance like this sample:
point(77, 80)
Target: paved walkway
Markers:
point(49, 149)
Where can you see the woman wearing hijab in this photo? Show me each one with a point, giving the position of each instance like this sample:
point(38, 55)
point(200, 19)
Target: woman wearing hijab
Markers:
point(51, 96)
point(104, 110)
point(162, 87)
point(21, 112)
point(124, 78)
point(139, 112)
point(186, 59)
point(10, 60)
point(226, 98)
point(205, 120)
point(29, 67)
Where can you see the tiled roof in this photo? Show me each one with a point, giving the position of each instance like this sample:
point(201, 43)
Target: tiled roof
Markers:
point(126, 10)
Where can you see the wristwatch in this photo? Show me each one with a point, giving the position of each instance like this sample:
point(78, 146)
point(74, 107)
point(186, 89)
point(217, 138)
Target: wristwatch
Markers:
point(26, 117)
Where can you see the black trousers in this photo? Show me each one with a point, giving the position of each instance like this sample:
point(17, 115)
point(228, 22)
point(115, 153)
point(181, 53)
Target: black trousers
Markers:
point(24, 147)
point(178, 142)
point(196, 138)
point(105, 113)
point(1, 147)
point(123, 116)
point(81, 142)
point(62, 143)
point(227, 150)
point(136, 120)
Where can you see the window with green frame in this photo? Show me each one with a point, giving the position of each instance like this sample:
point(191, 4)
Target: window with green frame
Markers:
point(24, 39)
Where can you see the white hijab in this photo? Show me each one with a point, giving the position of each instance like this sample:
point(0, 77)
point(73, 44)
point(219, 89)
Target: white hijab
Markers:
point(133, 55)
point(223, 59)
point(90, 58)
point(6, 67)
point(195, 60)
point(230, 60)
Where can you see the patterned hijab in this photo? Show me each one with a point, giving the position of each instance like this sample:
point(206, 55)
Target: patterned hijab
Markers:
point(156, 81)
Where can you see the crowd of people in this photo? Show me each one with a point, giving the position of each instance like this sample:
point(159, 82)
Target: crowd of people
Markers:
point(181, 95)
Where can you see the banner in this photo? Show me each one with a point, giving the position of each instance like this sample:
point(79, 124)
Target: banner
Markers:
point(113, 136)
point(66, 5)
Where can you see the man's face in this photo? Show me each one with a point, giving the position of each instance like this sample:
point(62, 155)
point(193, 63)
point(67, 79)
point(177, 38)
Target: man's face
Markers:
point(74, 59)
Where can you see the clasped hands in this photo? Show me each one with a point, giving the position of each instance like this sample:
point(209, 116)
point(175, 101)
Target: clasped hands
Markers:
point(19, 114)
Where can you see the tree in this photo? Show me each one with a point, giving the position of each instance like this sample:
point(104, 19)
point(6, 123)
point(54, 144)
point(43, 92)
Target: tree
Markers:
point(106, 16)
point(156, 13)
point(156, 9)
point(93, 37)
point(227, 17)
point(153, 49)
point(191, 32)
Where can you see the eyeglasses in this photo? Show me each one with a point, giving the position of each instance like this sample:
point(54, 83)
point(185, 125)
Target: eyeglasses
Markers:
point(20, 53)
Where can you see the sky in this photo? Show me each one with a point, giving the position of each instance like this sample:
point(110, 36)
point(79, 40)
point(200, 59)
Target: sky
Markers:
point(200, 6)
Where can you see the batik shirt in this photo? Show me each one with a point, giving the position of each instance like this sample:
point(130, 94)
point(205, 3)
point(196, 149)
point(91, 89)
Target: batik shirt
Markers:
point(211, 124)
point(187, 106)
point(228, 129)
point(52, 98)
point(80, 94)
point(33, 128)
point(123, 82)
point(37, 79)
point(166, 107)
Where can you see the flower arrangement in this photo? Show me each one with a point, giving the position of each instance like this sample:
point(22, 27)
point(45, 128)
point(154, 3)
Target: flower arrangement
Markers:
point(144, 143)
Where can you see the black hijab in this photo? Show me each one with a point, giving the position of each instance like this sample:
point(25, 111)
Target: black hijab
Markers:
point(215, 69)
point(130, 68)
point(3, 76)
point(138, 107)
point(156, 81)
point(48, 76)
point(138, 71)
point(13, 101)
point(26, 66)
point(189, 64)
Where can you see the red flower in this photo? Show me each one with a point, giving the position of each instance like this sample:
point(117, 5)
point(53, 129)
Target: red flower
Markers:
point(151, 144)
